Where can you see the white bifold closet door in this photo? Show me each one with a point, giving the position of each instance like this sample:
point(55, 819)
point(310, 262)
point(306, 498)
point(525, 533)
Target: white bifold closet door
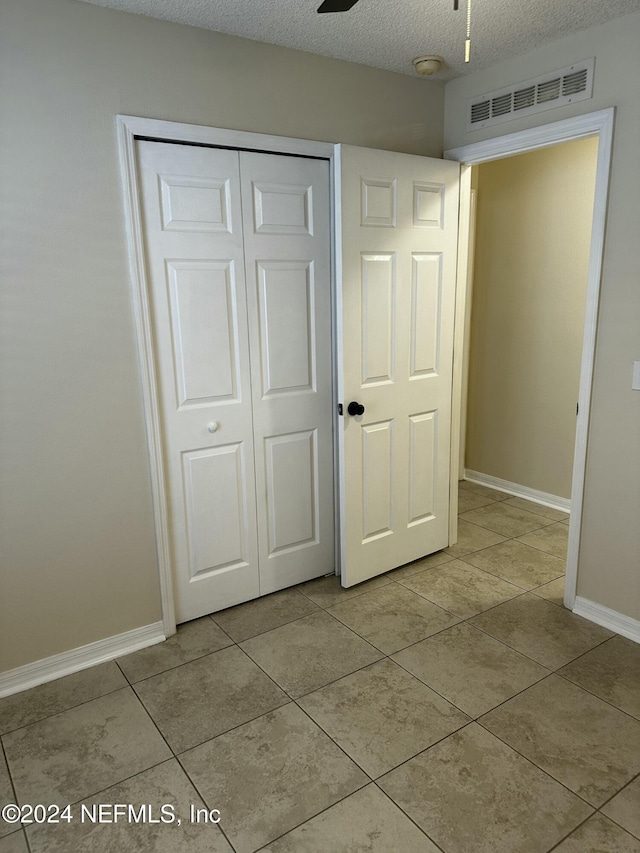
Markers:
point(238, 269)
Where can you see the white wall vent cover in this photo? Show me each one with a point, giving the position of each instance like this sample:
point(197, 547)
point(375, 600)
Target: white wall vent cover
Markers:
point(555, 89)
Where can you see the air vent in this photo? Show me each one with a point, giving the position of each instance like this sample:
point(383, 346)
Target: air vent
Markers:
point(548, 91)
point(523, 98)
point(574, 83)
point(556, 89)
point(480, 112)
point(502, 105)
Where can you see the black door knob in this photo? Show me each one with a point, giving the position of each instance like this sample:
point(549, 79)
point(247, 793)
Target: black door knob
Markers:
point(355, 408)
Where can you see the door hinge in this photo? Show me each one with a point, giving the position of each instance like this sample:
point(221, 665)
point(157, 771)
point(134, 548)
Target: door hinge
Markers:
point(577, 408)
point(340, 409)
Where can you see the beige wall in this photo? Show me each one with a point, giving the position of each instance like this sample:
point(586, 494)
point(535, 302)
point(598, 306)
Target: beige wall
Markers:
point(533, 234)
point(78, 558)
point(609, 564)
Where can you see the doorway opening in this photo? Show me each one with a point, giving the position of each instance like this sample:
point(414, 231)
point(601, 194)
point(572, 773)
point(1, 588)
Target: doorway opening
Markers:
point(591, 131)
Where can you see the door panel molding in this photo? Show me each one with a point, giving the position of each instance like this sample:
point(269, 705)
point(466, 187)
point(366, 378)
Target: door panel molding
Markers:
point(598, 124)
point(221, 382)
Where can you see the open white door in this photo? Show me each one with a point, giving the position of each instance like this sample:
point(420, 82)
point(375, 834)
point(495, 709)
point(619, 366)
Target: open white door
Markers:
point(398, 221)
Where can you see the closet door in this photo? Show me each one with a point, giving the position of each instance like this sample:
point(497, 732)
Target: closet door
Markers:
point(195, 270)
point(285, 206)
point(243, 367)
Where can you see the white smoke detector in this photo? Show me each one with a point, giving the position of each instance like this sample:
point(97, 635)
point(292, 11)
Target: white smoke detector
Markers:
point(427, 66)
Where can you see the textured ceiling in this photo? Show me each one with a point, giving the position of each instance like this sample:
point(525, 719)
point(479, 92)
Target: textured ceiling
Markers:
point(389, 33)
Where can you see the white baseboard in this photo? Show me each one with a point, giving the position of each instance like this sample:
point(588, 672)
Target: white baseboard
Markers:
point(611, 619)
point(518, 491)
point(65, 663)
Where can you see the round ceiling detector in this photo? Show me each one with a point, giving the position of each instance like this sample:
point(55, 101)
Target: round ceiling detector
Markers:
point(427, 65)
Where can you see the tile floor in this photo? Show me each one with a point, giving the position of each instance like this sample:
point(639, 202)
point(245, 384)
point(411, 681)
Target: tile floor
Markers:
point(451, 705)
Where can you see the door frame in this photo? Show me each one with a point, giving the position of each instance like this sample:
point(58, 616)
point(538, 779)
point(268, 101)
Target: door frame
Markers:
point(130, 128)
point(598, 124)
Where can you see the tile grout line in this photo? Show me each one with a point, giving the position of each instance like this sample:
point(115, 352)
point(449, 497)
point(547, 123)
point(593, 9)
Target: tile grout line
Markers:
point(508, 746)
point(266, 631)
point(613, 796)
point(15, 794)
point(201, 795)
point(370, 779)
point(176, 757)
point(569, 834)
point(375, 779)
point(504, 601)
point(177, 754)
point(104, 790)
point(155, 725)
point(531, 761)
point(504, 643)
point(472, 718)
point(544, 678)
point(407, 815)
point(9, 773)
point(178, 665)
point(591, 693)
point(369, 782)
point(511, 538)
point(64, 710)
point(292, 701)
point(619, 825)
point(508, 535)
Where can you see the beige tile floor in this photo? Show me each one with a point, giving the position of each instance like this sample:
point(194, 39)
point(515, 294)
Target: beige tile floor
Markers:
point(452, 705)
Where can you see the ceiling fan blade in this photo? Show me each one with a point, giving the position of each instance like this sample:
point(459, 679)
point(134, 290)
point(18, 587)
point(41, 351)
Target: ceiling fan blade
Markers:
point(336, 6)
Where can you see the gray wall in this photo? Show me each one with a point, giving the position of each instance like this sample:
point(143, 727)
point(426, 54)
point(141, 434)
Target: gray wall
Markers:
point(609, 564)
point(78, 559)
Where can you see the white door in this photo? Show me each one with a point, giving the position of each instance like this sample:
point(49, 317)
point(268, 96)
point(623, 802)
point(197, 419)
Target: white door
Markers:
point(285, 204)
point(399, 225)
point(245, 483)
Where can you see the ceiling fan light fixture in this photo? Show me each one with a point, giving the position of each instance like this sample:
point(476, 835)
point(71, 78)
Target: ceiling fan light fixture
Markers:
point(427, 65)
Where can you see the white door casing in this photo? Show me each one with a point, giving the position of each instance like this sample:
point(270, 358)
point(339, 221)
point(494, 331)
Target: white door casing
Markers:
point(397, 257)
point(214, 324)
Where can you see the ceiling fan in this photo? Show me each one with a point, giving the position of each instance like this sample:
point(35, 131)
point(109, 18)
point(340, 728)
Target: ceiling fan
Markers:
point(345, 5)
point(336, 6)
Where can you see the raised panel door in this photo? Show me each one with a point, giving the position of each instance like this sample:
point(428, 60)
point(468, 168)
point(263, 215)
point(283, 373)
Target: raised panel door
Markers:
point(238, 255)
point(195, 262)
point(397, 258)
point(285, 204)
